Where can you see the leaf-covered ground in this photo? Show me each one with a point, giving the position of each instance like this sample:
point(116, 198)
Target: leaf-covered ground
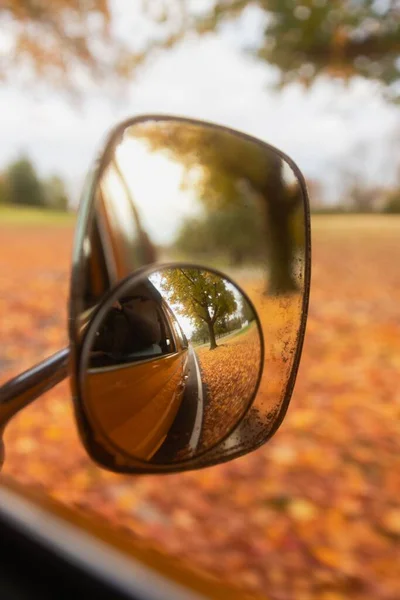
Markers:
point(313, 514)
point(230, 374)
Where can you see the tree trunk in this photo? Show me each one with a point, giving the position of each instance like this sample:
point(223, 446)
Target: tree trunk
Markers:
point(211, 333)
point(281, 279)
point(278, 211)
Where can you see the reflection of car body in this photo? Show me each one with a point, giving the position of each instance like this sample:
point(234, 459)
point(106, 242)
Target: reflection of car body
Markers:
point(134, 395)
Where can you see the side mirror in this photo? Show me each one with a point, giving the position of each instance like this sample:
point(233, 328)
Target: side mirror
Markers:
point(180, 194)
point(169, 204)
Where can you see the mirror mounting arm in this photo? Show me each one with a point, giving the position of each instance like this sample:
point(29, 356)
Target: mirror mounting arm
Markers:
point(29, 385)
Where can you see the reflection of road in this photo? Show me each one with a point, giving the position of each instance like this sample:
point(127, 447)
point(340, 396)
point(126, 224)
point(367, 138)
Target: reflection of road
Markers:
point(186, 428)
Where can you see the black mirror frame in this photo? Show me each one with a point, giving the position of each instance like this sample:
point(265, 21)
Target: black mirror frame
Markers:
point(85, 218)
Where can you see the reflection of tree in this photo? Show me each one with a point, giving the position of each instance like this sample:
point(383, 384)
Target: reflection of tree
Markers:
point(228, 324)
point(222, 327)
point(248, 206)
point(235, 232)
point(200, 334)
point(201, 295)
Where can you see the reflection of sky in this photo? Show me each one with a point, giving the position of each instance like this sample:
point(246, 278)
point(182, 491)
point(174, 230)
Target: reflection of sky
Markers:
point(184, 321)
point(154, 181)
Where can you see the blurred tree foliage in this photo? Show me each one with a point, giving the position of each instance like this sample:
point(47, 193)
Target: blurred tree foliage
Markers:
point(21, 185)
point(307, 38)
point(303, 39)
point(24, 185)
point(393, 202)
point(202, 296)
point(3, 190)
point(55, 194)
point(55, 37)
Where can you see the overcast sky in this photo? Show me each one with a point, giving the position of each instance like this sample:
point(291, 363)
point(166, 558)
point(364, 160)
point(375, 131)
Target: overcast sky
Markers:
point(209, 79)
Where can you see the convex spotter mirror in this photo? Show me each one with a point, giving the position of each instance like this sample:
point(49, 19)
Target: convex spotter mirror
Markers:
point(171, 200)
point(170, 365)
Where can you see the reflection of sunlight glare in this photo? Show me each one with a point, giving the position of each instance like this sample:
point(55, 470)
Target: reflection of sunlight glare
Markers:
point(183, 321)
point(120, 211)
point(288, 175)
point(155, 183)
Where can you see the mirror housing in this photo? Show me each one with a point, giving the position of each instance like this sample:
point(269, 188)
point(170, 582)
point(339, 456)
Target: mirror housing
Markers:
point(244, 200)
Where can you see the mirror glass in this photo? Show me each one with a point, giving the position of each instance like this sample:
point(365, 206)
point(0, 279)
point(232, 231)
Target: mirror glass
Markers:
point(174, 190)
point(172, 362)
